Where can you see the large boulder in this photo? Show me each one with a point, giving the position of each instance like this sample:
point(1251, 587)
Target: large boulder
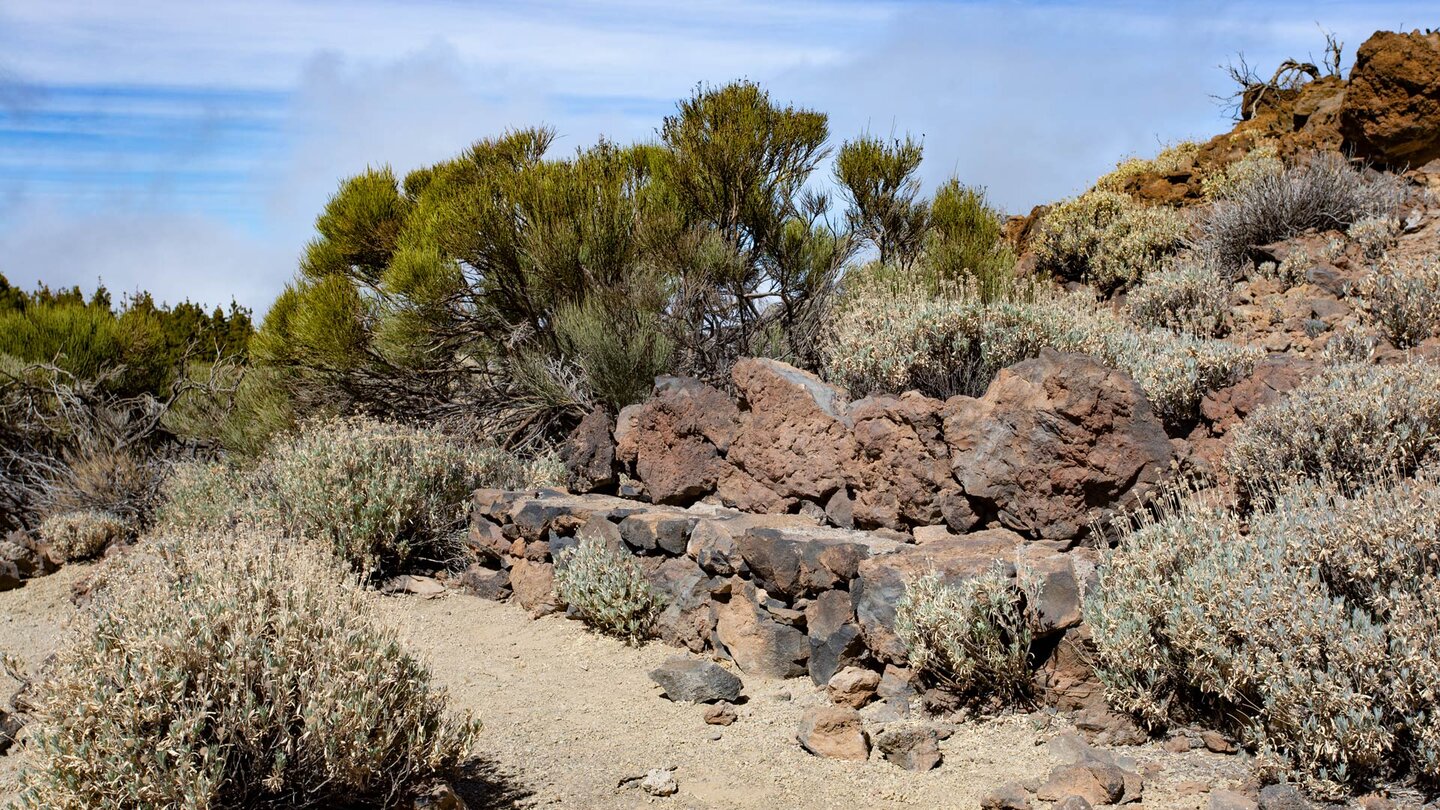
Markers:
point(674, 443)
point(902, 469)
point(1056, 443)
point(1391, 112)
point(882, 580)
point(589, 455)
point(793, 439)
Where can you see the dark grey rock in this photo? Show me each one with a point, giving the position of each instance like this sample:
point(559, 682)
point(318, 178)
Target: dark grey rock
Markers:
point(688, 680)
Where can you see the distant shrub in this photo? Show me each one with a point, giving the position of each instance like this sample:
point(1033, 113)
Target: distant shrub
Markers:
point(82, 535)
point(973, 637)
point(889, 339)
point(606, 588)
point(1106, 239)
point(1314, 635)
point(1190, 297)
point(1171, 160)
point(965, 239)
point(1374, 235)
point(1341, 425)
point(235, 672)
point(1278, 202)
point(379, 494)
point(1404, 299)
point(1261, 161)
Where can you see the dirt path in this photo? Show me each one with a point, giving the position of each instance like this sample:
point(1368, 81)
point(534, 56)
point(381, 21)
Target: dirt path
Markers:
point(569, 715)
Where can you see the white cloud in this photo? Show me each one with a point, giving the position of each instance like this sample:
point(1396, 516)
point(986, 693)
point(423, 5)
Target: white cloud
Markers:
point(174, 257)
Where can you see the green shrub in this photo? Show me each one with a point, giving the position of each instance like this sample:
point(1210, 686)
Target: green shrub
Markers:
point(606, 588)
point(966, 240)
point(234, 671)
point(1189, 297)
point(1341, 425)
point(973, 637)
point(82, 535)
point(238, 407)
point(1314, 635)
point(1106, 239)
point(620, 348)
point(379, 494)
point(1404, 299)
point(890, 338)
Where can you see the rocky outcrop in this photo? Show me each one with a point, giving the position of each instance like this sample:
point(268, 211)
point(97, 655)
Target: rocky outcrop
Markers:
point(1391, 112)
point(778, 595)
point(1056, 443)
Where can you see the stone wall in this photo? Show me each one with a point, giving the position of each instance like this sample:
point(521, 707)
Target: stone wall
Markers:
point(784, 525)
point(1055, 444)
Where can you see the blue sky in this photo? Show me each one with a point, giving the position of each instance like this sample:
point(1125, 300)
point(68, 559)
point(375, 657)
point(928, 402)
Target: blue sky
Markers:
point(185, 147)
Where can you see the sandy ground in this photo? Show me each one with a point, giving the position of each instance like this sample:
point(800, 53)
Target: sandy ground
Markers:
point(570, 715)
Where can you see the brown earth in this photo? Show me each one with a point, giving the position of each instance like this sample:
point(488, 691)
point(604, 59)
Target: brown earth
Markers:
point(570, 715)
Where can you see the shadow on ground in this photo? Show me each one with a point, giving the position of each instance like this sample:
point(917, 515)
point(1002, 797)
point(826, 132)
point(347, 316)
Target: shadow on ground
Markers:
point(484, 785)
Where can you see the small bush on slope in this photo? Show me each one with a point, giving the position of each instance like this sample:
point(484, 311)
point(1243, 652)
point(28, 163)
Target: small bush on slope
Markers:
point(1189, 297)
point(890, 338)
point(234, 671)
point(973, 637)
point(1374, 235)
point(1106, 239)
point(1174, 158)
point(607, 589)
point(1317, 634)
point(1277, 202)
point(81, 535)
point(1404, 298)
point(1340, 426)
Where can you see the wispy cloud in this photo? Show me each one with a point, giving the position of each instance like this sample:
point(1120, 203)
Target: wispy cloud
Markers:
point(138, 138)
